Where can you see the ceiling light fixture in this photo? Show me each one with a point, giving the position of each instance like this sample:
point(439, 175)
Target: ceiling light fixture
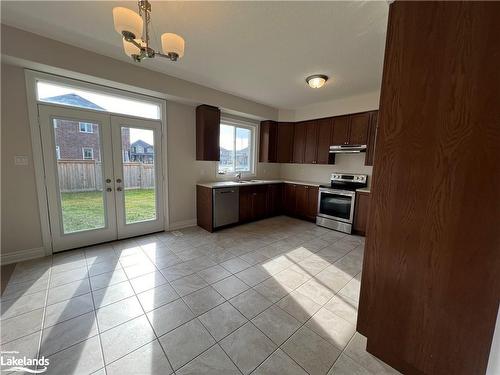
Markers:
point(316, 81)
point(131, 25)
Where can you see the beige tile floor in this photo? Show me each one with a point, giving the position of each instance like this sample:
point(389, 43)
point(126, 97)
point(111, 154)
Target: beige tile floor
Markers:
point(278, 296)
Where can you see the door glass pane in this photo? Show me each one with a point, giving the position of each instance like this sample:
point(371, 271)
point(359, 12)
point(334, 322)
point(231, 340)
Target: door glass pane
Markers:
point(138, 153)
point(79, 171)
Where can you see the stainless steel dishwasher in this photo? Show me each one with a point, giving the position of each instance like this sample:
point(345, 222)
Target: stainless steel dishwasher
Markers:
point(226, 206)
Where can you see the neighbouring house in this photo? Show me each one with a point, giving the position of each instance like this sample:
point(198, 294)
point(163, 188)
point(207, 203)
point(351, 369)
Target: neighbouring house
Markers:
point(226, 159)
point(77, 140)
point(141, 151)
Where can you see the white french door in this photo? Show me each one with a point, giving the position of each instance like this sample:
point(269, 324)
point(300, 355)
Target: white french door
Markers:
point(103, 176)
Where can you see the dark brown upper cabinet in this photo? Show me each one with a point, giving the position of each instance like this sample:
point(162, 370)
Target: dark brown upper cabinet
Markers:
point(284, 152)
point(341, 130)
point(311, 143)
point(325, 131)
point(372, 133)
point(207, 133)
point(299, 141)
point(358, 134)
point(268, 142)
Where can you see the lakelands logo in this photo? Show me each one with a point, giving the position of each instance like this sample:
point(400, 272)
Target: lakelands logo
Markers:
point(24, 364)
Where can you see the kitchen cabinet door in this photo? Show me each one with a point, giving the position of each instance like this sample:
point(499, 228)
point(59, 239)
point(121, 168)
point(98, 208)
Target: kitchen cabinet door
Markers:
point(246, 204)
point(285, 142)
point(362, 207)
point(259, 202)
point(341, 130)
point(207, 133)
point(268, 141)
point(289, 199)
point(311, 143)
point(299, 142)
point(372, 135)
point(325, 127)
point(274, 198)
point(301, 199)
point(358, 134)
point(312, 202)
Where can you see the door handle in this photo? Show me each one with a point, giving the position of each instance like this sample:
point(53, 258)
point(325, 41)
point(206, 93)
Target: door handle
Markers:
point(109, 189)
point(119, 188)
point(108, 180)
point(118, 180)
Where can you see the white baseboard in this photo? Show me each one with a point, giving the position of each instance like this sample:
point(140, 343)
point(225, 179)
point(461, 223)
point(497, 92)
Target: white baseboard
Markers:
point(182, 224)
point(22, 255)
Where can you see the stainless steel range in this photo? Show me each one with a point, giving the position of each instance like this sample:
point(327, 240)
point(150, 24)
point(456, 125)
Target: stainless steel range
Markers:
point(336, 201)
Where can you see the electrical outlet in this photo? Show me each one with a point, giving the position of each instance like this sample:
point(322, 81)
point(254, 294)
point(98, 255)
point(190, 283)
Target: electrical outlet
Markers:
point(20, 160)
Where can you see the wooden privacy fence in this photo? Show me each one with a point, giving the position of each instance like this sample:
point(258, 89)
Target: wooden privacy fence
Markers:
point(86, 175)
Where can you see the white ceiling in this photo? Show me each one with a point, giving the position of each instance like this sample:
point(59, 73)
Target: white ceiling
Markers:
point(257, 50)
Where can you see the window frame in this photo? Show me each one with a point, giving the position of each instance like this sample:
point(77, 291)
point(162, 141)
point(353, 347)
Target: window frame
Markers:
point(86, 127)
point(91, 151)
point(243, 124)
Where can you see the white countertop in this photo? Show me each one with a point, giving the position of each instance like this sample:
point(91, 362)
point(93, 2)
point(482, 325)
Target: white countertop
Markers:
point(221, 184)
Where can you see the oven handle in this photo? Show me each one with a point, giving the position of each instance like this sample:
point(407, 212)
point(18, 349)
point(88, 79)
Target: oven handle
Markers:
point(338, 192)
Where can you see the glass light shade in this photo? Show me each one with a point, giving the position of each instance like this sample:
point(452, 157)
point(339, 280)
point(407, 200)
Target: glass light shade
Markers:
point(127, 20)
point(172, 43)
point(316, 81)
point(131, 49)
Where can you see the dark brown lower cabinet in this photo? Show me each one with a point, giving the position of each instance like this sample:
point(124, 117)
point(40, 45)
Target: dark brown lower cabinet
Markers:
point(430, 282)
point(204, 207)
point(300, 201)
point(312, 203)
point(273, 204)
point(261, 201)
point(253, 202)
point(361, 210)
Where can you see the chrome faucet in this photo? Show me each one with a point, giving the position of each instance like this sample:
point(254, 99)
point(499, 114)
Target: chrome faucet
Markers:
point(238, 176)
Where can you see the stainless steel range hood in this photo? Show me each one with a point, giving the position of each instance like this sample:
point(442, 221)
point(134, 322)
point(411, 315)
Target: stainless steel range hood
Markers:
point(347, 149)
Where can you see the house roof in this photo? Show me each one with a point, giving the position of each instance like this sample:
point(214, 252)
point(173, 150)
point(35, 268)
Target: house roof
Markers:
point(74, 100)
point(140, 142)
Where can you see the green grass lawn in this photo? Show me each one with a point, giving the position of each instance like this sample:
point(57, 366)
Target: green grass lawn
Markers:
point(84, 211)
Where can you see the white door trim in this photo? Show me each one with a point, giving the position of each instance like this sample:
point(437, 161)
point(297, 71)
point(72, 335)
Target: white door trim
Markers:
point(31, 78)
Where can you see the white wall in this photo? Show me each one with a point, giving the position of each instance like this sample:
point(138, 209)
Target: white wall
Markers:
point(20, 216)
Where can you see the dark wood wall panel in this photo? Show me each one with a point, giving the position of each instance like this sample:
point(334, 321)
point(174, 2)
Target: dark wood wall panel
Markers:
point(430, 289)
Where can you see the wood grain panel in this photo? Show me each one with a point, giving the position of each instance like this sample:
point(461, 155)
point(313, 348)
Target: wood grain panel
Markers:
point(299, 142)
point(430, 290)
point(207, 133)
point(311, 144)
point(325, 130)
point(361, 211)
point(285, 142)
point(359, 128)
point(268, 141)
point(204, 207)
point(341, 130)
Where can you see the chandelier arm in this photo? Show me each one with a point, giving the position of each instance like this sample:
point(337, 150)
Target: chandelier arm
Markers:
point(134, 43)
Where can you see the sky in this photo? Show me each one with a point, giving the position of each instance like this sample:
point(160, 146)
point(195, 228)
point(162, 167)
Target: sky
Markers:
point(227, 137)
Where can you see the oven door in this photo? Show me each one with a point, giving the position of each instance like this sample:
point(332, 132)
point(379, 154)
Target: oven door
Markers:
point(336, 204)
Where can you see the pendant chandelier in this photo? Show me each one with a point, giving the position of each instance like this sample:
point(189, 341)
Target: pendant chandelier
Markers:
point(131, 26)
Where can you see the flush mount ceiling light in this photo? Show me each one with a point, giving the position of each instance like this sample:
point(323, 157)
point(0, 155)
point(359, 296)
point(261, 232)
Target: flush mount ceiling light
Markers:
point(316, 81)
point(131, 25)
